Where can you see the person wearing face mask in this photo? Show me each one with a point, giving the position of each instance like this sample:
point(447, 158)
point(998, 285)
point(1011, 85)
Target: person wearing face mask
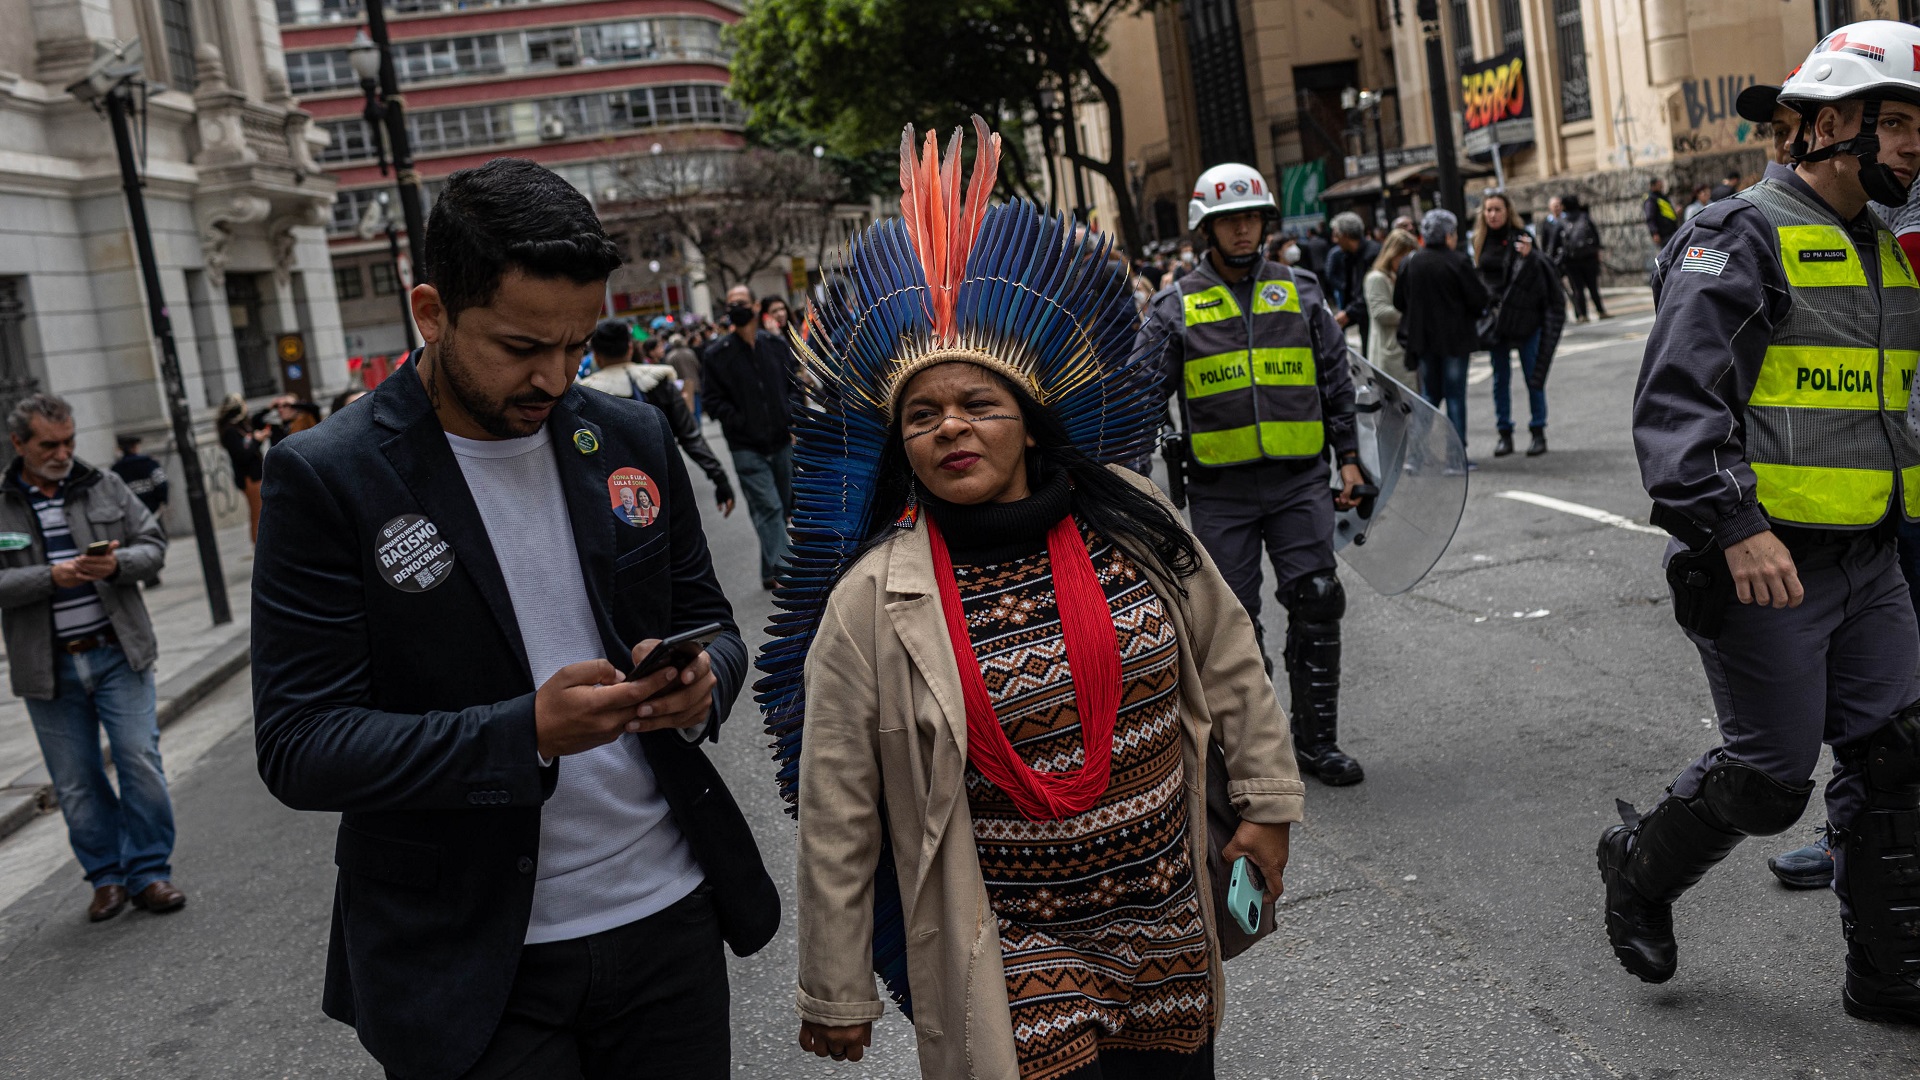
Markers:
point(1771, 425)
point(1259, 366)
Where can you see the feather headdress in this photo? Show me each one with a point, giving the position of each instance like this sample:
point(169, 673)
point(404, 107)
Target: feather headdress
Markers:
point(1020, 291)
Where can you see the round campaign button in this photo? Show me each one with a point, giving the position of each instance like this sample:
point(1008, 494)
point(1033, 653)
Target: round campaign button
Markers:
point(635, 497)
point(412, 554)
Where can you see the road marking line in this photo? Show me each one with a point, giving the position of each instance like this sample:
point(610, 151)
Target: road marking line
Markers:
point(1591, 513)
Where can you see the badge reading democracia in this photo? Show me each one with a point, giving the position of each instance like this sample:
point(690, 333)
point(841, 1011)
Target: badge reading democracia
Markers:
point(412, 554)
point(584, 441)
point(635, 497)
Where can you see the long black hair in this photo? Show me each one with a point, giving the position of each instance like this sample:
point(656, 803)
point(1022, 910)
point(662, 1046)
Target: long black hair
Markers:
point(1127, 516)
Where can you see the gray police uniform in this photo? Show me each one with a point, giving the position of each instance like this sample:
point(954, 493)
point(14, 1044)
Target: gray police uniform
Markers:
point(1773, 396)
point(1281, 501)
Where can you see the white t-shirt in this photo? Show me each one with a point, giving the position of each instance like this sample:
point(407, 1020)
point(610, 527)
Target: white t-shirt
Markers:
point(609, 851)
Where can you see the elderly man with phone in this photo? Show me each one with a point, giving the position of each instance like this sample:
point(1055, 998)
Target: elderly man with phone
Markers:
point(538, 864)
point(75, 544)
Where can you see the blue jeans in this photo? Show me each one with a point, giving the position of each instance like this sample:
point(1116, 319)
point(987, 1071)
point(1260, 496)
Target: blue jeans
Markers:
point(120, 839)
point(1529, 351)
point(1444, 379)
point(767, 482)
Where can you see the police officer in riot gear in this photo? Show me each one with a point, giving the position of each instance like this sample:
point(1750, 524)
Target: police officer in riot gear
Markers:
point(1771, 424)
point(1260, 370)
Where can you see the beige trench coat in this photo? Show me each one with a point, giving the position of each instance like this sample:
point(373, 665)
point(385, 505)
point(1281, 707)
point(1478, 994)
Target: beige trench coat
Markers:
point(885, 721)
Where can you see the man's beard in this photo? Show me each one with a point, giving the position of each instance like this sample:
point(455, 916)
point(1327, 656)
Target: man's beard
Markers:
point(491, 415)
point(54, 472)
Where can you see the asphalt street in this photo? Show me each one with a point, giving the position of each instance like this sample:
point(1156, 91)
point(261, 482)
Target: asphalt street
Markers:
point(1441, 919)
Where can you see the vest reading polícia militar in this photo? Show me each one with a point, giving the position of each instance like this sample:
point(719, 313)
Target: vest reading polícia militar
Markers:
point(1249, 383)
point(1826, 425)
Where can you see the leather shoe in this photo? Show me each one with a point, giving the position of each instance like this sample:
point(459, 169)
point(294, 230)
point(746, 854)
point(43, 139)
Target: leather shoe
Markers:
point(1539, 444)
point(108, 901)
point(1504, 446)
point(160, 898)
point(1329, 764)
point(1640, 930)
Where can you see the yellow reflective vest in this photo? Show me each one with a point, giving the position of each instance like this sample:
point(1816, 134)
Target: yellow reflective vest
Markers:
point(1826, 425)
point(1249, 383)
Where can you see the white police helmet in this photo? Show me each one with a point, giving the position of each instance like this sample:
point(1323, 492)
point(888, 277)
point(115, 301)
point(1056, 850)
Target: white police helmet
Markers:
point(1873, 61)
point(1228, 189)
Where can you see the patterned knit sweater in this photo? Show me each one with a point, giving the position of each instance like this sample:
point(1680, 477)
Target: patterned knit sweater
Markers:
point(1100, 920)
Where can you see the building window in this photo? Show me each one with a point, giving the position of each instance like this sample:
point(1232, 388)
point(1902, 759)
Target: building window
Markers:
point(1513, 36)
point(552, 48)
point(352, 140)
point(1831, 15)
point(457, 129)
point(348, 284)
point(1462, 33)
point(176, 26)
point(1910, 10)
point(1219, 68)
point(384, 283)
point(1570, 36)
point(250, 346)
point(448, 58)
point(348, 207)
point(326, 69)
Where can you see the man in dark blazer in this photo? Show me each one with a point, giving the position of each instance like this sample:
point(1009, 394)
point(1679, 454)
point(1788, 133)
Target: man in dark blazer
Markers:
point(537, 863)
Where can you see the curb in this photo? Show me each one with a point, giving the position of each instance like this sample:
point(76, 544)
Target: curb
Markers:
point(31, 793)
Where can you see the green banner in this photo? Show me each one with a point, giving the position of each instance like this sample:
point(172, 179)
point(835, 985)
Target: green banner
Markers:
point(1300, 188)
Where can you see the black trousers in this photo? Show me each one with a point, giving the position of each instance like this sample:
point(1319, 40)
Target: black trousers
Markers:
point(1148, 1065)
point(644, 1001)
point(1583, 276)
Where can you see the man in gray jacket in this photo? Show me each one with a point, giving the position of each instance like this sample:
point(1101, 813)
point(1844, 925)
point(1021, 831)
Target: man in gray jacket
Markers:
point(75, 544)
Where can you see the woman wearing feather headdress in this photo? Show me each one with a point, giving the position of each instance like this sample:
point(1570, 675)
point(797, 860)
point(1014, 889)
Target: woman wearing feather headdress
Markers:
point(1003, 663)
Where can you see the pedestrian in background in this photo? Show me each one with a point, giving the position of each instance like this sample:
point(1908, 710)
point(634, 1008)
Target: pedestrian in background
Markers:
point(685, 362)
point(1662, 221)
point(652, 382)
point(537, 864)
point(1529, 313)
point(1315, 247)
point(144, 477)
point(1728, 186)
point(773, 316)
point(1579, 257)
point(243, 441)
point(748, 381)
point(76, 545)
point(1386, 352)
point(1440, 295)
point(1348, 264)
point(148, 482)
point(1702, 195)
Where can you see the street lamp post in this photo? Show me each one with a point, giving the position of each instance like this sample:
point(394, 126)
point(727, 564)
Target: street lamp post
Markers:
point(109, 87)
point(1452, 196)
point(372, 60)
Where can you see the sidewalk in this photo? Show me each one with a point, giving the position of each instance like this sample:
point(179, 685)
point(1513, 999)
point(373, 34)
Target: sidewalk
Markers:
point(195, 657)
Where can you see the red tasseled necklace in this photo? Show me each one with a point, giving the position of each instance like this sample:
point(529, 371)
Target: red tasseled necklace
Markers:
point(1093, 656)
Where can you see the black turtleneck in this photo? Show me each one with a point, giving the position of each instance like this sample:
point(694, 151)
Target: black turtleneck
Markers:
point(995, 532)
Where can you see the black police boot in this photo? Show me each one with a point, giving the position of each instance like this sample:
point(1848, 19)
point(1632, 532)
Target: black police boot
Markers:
point(1648, 862)
point(1504, 446)
point(1878, 856)
point(1313, 677)
point(1539, 444)
point(1871, 994)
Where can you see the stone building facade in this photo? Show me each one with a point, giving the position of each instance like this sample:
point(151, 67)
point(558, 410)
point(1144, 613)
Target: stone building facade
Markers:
point(238, 208)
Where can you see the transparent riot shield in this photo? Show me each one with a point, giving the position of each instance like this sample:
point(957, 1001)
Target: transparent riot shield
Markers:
point(1412, 454)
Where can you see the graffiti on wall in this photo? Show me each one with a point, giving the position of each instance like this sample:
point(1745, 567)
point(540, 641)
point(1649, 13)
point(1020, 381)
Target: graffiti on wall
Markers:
point(1705, 109)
